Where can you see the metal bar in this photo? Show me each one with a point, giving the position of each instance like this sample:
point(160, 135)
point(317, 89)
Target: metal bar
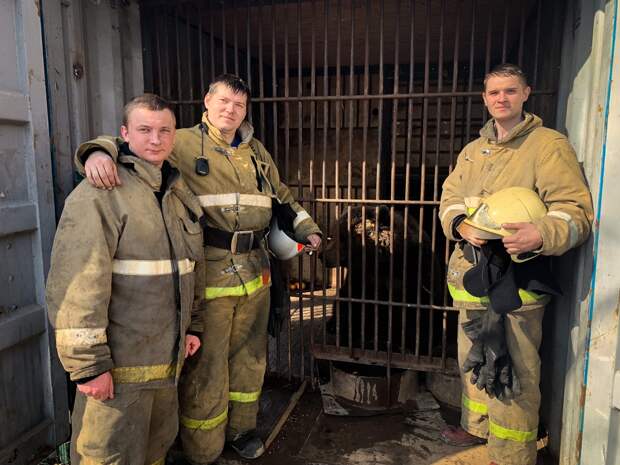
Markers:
point(287, 140)
point(487, 58)
point(455, 80)
point(190, 70)
point(261, 77)
point(380, 358)
point(392, 197)
point(212, 39)
point(470, 79)
point(287, 145)
point(159, 88)
point(436, 193)
point(378, 182)
point(200, 51)
point(337, 298)
point(274, 82)
point(536, 52)
point(350, 165)
point(274, 90)
point(300, 128)
point(366, 85)
point(178, 61)
point(505, 32)
point(248, 55)
point(326, 210)
point(337, 123)
point(224, 50)
point(235, 36)
point(332, 98)
point(521, 36)
point(408, 149)
point(427, 41)
point(168, 68)
point(313, 261)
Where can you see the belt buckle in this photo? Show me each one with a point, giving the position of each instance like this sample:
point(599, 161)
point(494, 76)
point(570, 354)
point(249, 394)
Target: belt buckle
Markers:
point(242, 242)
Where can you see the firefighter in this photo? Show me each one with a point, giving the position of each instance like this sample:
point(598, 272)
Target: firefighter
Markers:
point(124, 293)
point(237, 182)
point(514, 149)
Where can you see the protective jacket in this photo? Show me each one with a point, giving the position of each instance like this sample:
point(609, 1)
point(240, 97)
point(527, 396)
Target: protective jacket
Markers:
point(236, 195)
point(530, 156)
point(127, 278)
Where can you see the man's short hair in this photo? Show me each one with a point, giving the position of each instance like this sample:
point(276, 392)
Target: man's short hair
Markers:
point(232, 81)
point(506, 70)
point(151, 102)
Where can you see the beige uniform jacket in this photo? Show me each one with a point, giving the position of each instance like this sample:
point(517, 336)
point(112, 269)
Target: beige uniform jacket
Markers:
point(111, 289)
point(231, 200)
point(530, 156)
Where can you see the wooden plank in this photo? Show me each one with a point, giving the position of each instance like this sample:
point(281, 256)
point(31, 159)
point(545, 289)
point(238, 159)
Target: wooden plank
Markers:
point(18, 218)
point(291, 405)
point(20, 325)
point(13, 107)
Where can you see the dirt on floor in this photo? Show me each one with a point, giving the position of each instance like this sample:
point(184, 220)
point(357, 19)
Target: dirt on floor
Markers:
point(406, 438)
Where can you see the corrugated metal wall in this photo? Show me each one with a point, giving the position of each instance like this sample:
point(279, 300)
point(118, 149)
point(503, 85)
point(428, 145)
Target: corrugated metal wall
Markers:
point(33, 404)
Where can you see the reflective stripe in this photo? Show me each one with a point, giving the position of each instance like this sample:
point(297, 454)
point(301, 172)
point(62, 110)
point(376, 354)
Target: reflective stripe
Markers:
point(204, 425)
point(473, 406)
point(459, 206)
point(142, 374)
point(244, 397)
point(81, 337)
point(301, 216)
point(150, 267)
point(512, 434)
point(243, 289)
point(222, 200)
point(573, 234)
point(461, 295)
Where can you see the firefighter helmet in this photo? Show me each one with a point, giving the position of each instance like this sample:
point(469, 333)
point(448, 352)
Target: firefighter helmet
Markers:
point(510, 205)
point(282, 243)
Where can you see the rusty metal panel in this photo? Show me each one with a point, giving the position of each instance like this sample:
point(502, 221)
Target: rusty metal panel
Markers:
point(364, 105)
point(33, 405)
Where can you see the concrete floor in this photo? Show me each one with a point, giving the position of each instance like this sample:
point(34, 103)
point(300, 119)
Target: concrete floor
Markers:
point(311, 437)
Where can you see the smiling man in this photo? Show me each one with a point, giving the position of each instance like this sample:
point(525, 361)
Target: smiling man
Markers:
point(121, 295)
point(513, 150)
point(237, 182)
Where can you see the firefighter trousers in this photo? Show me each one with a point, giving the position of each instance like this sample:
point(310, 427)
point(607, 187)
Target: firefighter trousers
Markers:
point(221, 384)
point(510, 426)
point(135, 428)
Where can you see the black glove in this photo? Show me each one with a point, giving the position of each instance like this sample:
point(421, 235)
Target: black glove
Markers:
point(488, 359)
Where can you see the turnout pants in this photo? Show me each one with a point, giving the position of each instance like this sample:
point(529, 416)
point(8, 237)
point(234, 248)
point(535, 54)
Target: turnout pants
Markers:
point(511, 426)
point(135, 428)
point(220, 389)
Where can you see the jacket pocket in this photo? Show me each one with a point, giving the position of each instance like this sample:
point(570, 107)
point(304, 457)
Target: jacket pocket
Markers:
point(457, 267)
point(192, 236)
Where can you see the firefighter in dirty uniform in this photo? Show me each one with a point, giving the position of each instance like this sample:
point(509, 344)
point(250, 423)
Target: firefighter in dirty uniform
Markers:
point(124, 293)
point(236, 182)
point(514, 149)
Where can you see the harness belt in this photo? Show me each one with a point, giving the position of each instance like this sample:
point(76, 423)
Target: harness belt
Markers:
point(237, 242)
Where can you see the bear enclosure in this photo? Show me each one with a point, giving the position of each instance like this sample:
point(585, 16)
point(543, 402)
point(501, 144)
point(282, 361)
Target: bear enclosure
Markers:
point(364, 105)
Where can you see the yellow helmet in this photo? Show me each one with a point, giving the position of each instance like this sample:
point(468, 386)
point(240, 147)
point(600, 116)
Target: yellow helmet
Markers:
point(510, 205)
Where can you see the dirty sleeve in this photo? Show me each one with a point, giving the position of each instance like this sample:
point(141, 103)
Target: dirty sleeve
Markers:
point(108, 144)
point(561, 185)
point(79, 283)
point(452, 204)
